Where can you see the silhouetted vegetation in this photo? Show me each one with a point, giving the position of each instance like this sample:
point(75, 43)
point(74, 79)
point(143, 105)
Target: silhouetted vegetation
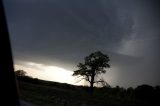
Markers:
point(47, 93)
point(94, 65)
point(20, 73)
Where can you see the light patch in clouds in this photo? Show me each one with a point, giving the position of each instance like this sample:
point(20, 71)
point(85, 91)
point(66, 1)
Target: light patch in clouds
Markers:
point(51, 73)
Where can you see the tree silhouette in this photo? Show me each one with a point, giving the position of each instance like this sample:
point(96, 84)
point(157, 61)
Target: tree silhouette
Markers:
point(94, 65)
point(20, 73)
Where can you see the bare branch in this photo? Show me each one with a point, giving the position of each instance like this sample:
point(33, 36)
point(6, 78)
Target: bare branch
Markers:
point(80, 80)
point(88, 78)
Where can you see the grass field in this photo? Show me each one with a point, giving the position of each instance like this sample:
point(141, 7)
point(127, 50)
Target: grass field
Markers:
point(45, 93)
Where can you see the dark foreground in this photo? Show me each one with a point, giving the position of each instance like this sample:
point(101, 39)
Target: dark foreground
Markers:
point(24, 103)
point(45, 93)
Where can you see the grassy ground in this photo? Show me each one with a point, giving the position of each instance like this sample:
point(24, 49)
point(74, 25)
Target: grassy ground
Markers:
point(52, 96)
point(46, 93)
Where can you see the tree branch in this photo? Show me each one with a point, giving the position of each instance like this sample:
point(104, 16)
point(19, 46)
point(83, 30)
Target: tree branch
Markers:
point(80, 80)
point(88, 78)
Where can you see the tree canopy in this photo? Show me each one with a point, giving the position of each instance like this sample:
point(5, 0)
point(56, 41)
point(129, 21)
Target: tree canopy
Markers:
point(20, 73)
point(94, 65)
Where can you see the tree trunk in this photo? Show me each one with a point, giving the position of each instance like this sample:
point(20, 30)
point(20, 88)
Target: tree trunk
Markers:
point(92, 83)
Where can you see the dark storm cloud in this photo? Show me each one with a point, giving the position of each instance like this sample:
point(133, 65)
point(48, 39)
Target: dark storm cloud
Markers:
point(62, 32)
point(66, 26)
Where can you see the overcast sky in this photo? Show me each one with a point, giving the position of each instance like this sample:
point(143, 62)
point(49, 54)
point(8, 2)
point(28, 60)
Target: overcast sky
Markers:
point(62, 32)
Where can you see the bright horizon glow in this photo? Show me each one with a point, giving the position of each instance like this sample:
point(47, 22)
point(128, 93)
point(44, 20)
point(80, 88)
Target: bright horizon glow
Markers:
point(50, 73)
point(59, 74)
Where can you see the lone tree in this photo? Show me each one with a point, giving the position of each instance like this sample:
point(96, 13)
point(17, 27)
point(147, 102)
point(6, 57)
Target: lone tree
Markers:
point(20, 73)
point(94, 65)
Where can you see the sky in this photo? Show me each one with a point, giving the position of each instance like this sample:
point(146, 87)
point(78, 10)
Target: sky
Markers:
point(50, 37)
